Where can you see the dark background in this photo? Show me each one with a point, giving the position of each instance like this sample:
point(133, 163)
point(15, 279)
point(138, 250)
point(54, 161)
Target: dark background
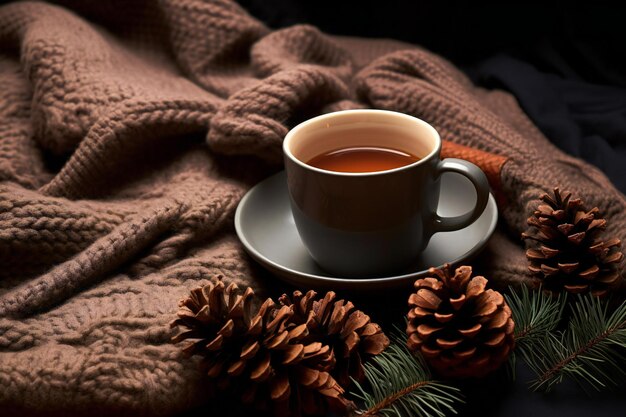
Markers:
point(566, 67)
point(589, 39)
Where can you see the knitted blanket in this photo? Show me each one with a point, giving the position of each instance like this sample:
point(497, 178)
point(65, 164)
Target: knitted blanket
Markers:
point(129, 131)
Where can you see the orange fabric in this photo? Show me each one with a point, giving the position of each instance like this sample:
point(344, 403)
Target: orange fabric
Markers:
point(490, 163)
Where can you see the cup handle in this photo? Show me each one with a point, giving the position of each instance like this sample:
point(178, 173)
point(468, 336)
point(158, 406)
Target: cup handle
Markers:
point(478, 179)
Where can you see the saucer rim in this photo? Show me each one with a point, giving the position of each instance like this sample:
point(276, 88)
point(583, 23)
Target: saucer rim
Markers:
point(289, 274)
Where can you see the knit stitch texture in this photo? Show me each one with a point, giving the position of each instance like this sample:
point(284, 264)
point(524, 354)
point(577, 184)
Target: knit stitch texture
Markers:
point(129, 131)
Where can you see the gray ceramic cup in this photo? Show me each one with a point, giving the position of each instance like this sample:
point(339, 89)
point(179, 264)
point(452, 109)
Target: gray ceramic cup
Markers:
point(373, 223)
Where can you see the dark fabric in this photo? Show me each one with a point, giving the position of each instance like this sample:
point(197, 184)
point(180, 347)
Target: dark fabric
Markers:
point(595, 60)
point(585, 120)
point(586, 41)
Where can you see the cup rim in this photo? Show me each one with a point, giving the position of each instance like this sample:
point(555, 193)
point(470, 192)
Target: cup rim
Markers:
point(293, 132)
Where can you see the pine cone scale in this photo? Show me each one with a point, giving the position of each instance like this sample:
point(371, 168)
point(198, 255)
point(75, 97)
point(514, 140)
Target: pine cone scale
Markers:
point(215, 369)
point(590, 273)
point(236, 368)
point(448, 344)
point(308, 376)
point(373, 344)
point(280, 388)
point(189, 334)
point(568, 268)
point(471, 332)
point(464, 354)
point(427, 299)
point(336, 319)
point(535, 254)
point(487, 308)
point(496, 340)
point(547, 211)
point(277, 341)
point(610, 279)
point(227, 329)
point(424, 330)
point(262, 370)
point(615, 258)
point(215, 344)
point(298, 331)
point(500, 319)
point(293, 353)
point(443, 318)
point(372, 330)
point(313, 348)
point(428, 352)
point(577, 238)
point(549, 270)
point(457, 303)
point(356, 321)
point(322, 379)
point(476, 287)
point(324, 351)
point(417, 312)
point(250, 350)
point(548, 252)
point(576, 289)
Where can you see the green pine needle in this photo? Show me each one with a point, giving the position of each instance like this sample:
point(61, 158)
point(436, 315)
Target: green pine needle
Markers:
point(400, 384)
point(535, 314)
point(591, 351)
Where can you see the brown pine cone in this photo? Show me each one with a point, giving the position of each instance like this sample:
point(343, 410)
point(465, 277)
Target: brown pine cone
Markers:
point(349, 332)
point(566, 249)
point(461, 329)
point(259, 355)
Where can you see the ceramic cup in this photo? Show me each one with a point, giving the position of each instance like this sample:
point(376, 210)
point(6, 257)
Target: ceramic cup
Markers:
point(373, 223)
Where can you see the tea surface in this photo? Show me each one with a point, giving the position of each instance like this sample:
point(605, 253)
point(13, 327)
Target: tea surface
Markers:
point(362, 159)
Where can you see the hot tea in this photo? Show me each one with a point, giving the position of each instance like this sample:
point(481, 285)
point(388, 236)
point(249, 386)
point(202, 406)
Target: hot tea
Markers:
point(362, 159)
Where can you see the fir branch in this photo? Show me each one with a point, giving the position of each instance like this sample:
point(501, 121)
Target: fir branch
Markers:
point(400, 385)
point(535, 314)
point(590, 352)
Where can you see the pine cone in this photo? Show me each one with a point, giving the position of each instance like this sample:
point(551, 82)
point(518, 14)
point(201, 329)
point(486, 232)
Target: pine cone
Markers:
point(260, 356)
point(337, 323)
point(566, 248)
point(461, 329)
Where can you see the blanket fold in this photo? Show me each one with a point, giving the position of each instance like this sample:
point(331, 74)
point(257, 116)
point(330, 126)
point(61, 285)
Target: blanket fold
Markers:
point(129, 131)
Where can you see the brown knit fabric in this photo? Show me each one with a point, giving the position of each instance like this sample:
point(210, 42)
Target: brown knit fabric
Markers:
point(129, 130)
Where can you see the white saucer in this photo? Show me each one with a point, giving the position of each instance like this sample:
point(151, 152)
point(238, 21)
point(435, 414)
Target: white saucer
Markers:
point(266, 228)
